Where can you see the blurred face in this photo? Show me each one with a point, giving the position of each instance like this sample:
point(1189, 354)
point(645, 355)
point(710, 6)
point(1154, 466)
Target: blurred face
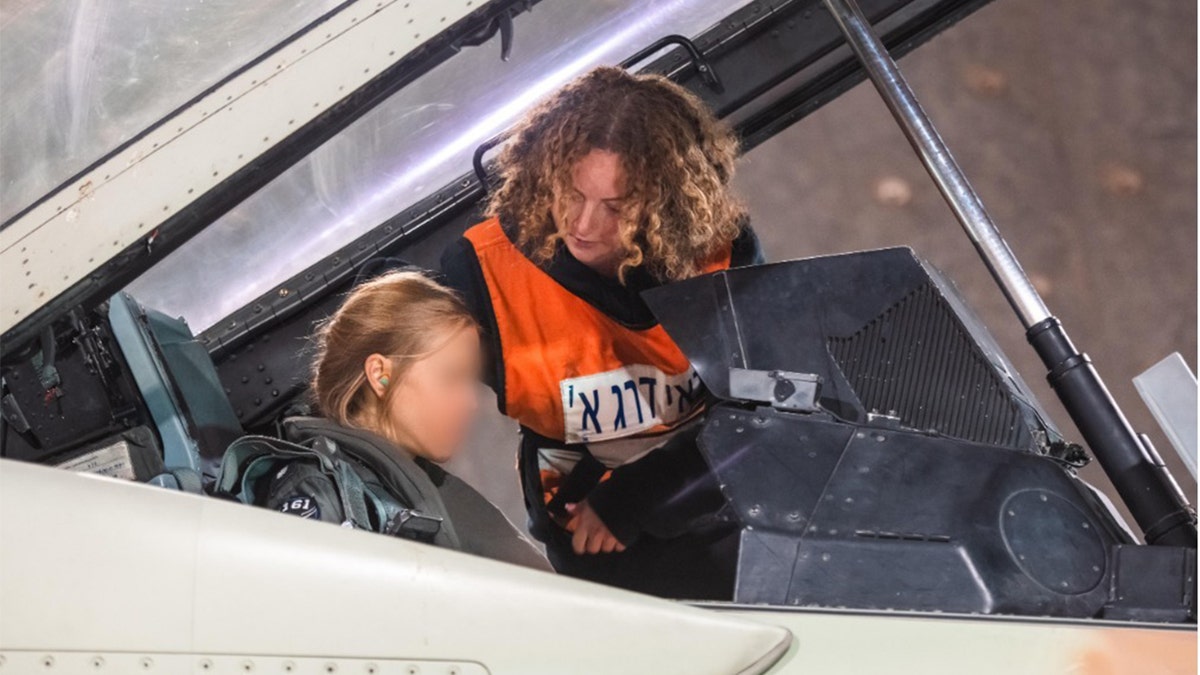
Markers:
point(434, 401)
point(593, 209)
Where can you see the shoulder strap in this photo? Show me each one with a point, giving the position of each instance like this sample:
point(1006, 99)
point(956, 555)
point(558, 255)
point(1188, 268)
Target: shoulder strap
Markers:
point(241, 469)
point(349, 484)
point(188, 479)
point(399, 473)
point(231, 477)
point(179, 478)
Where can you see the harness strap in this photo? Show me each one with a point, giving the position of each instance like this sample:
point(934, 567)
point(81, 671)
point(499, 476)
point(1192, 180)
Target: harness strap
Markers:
point(349, 487)
point(188, 479)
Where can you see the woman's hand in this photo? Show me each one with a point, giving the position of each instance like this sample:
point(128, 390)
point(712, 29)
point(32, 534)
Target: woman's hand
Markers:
point(589, 533)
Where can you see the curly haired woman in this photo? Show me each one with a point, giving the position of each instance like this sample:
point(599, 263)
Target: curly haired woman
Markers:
point(615, 184)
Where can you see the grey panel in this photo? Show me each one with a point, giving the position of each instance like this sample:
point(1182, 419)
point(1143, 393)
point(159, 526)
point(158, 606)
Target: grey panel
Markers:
point(1169, 390)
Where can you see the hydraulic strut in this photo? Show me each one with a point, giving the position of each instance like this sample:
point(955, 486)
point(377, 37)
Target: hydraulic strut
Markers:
point(1137, 472)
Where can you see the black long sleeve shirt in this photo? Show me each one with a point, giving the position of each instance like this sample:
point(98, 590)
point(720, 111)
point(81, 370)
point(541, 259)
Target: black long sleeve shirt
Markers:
point(627, 501)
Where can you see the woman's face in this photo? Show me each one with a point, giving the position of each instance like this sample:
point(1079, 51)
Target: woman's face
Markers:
point(430, 411)
point(593, 211)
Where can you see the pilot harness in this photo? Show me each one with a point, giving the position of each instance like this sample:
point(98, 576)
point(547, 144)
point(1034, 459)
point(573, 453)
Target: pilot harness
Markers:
point(578, 378)
point(376, 490)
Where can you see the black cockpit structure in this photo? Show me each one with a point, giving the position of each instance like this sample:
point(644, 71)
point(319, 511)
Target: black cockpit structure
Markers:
point(881, 452)
point(877, 447)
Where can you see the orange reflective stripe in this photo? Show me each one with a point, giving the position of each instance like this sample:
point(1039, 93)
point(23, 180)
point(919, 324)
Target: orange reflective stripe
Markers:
point(572, 373)
point(551, 481)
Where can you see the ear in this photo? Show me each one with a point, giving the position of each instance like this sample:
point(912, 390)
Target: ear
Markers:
point(378, 370)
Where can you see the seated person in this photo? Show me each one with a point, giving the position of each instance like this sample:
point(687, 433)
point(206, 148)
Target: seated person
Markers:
point(396, 378)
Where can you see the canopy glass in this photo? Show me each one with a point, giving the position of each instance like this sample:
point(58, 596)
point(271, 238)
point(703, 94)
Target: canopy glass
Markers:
point(81, 78)
point(411, 145)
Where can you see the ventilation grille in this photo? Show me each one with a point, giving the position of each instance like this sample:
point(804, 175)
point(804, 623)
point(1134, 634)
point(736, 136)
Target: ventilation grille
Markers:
point(916, 361)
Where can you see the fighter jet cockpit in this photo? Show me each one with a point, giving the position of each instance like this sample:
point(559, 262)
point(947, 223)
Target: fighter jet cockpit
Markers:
point(193, 192)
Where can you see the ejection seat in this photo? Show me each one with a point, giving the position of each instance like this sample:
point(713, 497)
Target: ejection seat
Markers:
point(196, 424)
point(181, 390)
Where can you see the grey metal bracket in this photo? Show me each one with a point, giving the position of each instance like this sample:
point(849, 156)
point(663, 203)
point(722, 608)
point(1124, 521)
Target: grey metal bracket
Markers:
point(779, 389)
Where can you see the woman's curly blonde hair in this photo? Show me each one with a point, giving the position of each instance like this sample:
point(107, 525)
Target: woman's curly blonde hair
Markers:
point(677, 159)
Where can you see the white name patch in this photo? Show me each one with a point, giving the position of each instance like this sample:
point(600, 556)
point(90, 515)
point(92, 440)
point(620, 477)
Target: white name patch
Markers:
point(626, 401)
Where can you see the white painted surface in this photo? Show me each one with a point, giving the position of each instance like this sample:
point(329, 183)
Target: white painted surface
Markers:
point(95, 567)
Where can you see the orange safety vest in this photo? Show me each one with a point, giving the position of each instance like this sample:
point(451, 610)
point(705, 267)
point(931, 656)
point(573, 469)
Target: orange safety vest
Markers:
point(571, 372)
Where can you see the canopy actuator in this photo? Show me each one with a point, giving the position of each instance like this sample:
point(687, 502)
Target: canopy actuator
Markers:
point(1142, 480)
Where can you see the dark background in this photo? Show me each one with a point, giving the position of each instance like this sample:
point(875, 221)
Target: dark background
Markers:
point(1075, 122)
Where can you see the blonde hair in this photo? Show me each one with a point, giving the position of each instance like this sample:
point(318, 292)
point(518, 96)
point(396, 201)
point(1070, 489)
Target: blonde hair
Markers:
point(677, 157)
point(402, 316)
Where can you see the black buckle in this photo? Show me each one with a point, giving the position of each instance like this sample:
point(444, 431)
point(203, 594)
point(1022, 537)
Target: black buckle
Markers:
point(412, 524)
